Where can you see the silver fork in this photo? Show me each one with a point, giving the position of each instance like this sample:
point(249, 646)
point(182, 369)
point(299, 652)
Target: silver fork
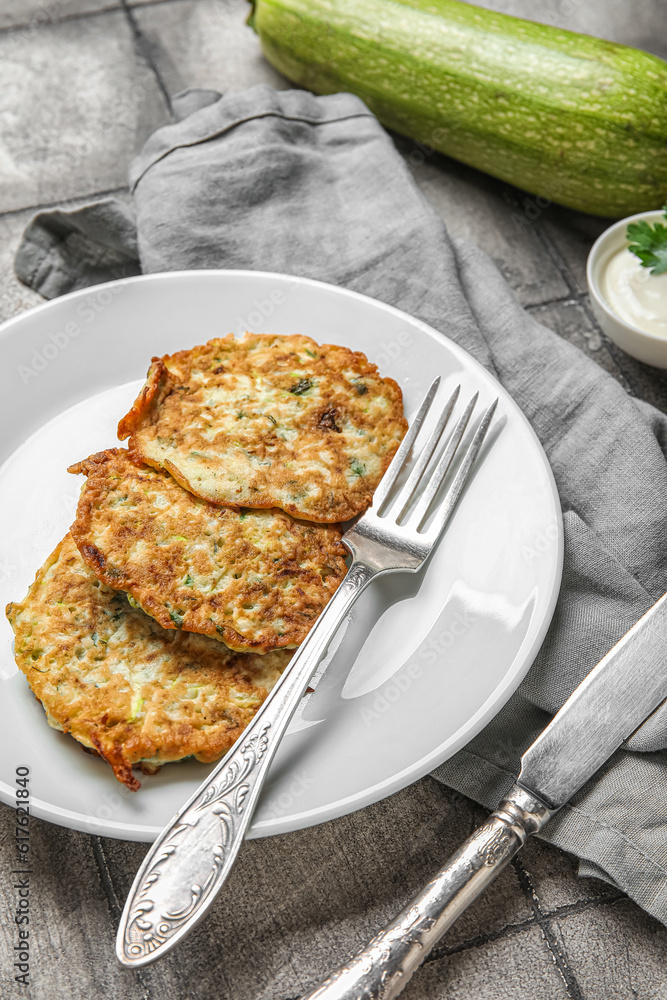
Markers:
point(190, 860)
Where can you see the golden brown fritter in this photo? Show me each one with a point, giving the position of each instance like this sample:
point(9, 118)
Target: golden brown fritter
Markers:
point(255, 579)
point(268, 421)
point(122, 685)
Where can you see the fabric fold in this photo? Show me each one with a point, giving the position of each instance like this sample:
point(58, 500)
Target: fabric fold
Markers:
point(62, 251)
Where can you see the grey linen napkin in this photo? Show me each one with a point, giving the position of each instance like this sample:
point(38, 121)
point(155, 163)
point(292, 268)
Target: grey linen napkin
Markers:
point(313, 186)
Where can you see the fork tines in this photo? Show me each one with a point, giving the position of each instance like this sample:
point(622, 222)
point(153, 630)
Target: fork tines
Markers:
point(403, 505)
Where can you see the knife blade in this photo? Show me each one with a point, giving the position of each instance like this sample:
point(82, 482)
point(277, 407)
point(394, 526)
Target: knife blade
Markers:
point(616, 697)
point(612, 701)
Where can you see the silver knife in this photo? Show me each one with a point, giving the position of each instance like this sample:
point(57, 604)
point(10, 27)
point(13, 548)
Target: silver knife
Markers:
point(616, 697)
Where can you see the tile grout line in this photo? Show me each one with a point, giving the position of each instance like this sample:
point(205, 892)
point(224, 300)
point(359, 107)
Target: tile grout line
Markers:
point(558, 955)
point(152, 3)
point(572, 909)
point(582, 300)
point(113, 901)
point(62, 202)
point(517, 198)
point(36, 23)
point(105, 878)
point(563, 912)
point(144, 49)
point(446, 951)
point(582, 297)
point(616, 357)
point(539, 918)
point(556, 257)
point(577, 298)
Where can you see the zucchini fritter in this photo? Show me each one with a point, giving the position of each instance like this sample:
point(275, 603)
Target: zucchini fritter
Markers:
point(255, 579)
point(123, 686)
point(269, 421)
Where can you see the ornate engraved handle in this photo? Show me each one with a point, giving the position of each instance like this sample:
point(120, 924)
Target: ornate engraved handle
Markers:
point(190, 860)
point(383, 969)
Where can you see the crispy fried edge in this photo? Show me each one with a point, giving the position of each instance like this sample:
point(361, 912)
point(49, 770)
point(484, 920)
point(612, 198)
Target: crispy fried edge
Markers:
point(120, 766)
point(114, 754)
point(159, 384)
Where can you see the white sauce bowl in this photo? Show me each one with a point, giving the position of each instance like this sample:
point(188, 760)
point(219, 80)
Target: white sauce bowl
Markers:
point(650, 348)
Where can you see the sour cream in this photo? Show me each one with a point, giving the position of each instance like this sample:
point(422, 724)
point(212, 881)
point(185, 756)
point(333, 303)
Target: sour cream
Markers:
point(634, 294)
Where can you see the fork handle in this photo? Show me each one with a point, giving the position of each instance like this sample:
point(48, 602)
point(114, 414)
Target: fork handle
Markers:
point(383, 969)
point(190, 860)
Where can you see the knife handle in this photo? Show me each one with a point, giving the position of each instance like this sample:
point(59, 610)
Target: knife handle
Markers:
point(192, 857)
point(383, 969)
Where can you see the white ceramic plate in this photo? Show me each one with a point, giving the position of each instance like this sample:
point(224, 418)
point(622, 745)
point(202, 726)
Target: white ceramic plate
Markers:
point(422, 663)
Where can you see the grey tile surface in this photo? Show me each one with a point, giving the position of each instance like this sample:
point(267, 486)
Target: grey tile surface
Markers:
point(70, 920)
point(86, 101)
point(553, 877)
point(617, 952)
point(571, 235)
point(205, 44)
point(322, 892)
point(512, 968)
point(77, 96)
point(29, 15)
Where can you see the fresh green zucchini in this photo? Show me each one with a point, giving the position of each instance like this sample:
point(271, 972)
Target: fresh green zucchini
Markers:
point(568, 117)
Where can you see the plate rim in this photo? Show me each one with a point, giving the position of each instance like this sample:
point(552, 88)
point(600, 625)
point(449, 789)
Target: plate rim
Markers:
point(494, 702)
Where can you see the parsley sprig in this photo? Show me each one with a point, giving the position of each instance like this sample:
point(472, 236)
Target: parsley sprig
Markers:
point(649, 243)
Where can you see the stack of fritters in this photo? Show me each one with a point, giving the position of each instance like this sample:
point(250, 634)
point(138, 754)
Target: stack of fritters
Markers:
point(160, 623)
point(120, 683)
